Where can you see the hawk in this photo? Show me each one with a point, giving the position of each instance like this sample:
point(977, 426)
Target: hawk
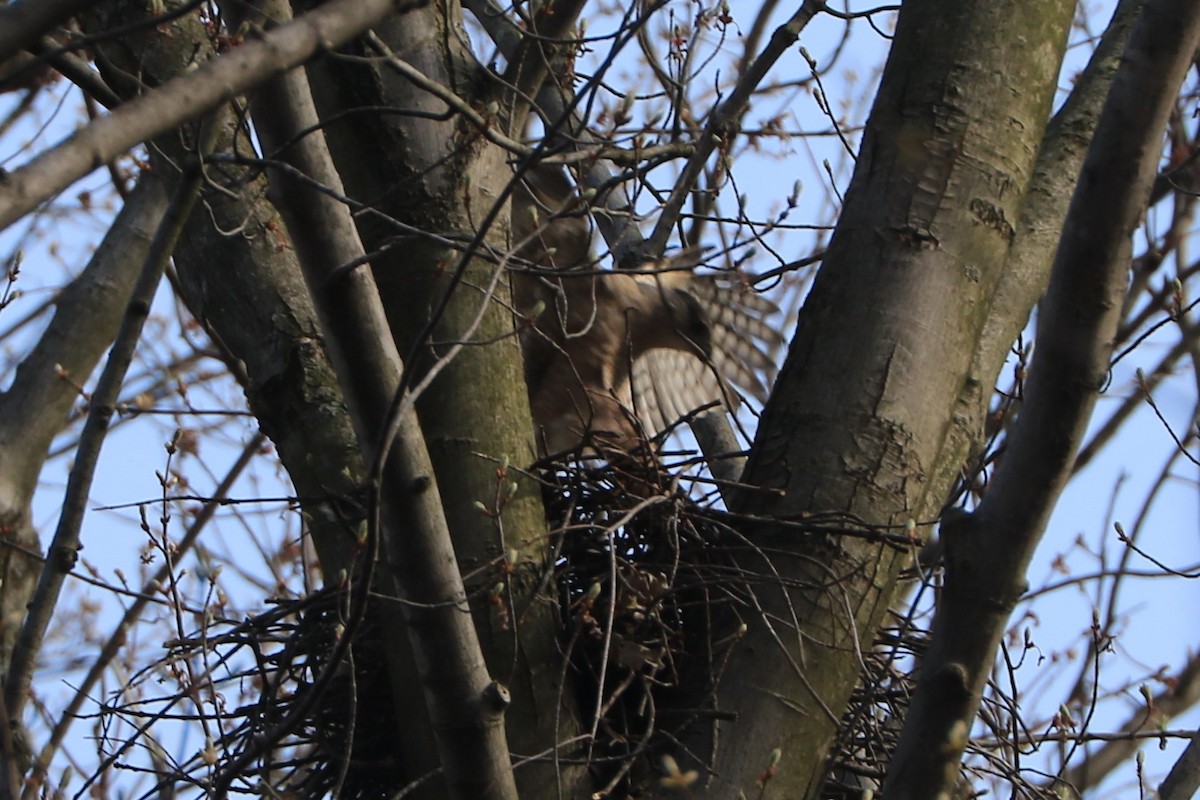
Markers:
point(614, 358)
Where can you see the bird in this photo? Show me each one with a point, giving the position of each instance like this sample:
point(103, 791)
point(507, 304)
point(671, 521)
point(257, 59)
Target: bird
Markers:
point(615, 358)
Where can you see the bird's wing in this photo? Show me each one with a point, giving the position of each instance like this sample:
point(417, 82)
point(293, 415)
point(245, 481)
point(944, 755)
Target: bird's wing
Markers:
point(669, 384)
point(745, 343)
point(577, 348)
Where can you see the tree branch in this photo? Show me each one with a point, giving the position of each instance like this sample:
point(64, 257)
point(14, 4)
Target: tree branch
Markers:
point(1182, 693)
point(64, 547)
point(78, 72)
point(725, 120)
point(532, 60)
point(22, 23)
point(614, 214)
point(82, 690)
point(467, 722)
point(1183, 780)
point(34, 409)
point(1060, 157)
point(185, 97)
point(988, 551)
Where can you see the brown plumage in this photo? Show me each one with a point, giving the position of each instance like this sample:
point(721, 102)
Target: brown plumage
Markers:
point(614, 358)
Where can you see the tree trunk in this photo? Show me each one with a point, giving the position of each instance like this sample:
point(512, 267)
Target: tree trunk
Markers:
point(436, 246)
point(879, 404)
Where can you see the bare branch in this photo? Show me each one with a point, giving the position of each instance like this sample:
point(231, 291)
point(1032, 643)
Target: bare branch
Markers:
point(78, 72)
point(22, 23)
point(467, 724)
point(64, 547)
point(536, 56)
point(183, 98)
point(118, 639)
point(725, 120)
point(988, 551)
point(34, 409)
point(1181, 694)
point(1184, 779)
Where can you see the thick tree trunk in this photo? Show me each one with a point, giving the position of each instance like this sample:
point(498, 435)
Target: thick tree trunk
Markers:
point(437, 272)
point(879, 404)
point(939, 254)
point(989, 549)
point(248, 290)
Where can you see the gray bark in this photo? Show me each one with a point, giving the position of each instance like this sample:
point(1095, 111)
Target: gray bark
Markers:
point(187, 97)
point(459, 693)
point(34, 410)
point(988, 550)
point(438, 224)
point(879, 403)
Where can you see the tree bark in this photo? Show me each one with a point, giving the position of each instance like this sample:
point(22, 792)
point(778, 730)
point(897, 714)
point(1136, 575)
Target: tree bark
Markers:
point(988, 550)
point(467, 727)
point(435, 216)
point(34, 410)
point(879, 403)
point(240, 278)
